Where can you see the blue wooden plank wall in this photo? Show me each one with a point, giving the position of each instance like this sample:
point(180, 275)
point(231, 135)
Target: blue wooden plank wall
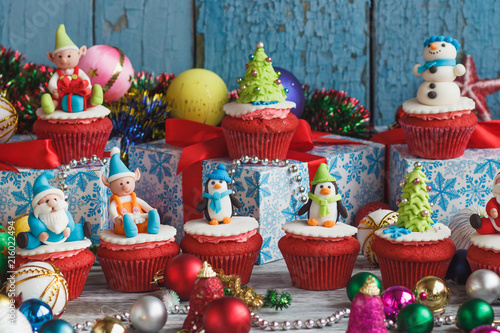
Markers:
point(365, 47)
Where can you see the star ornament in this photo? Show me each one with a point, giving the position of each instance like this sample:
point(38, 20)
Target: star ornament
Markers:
point(93, 72)
point(476, 88)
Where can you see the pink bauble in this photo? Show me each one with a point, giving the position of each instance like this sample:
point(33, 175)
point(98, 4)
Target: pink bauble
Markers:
point(109, 67)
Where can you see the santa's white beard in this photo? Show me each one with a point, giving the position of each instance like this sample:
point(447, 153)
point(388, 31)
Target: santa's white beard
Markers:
point(496, 192)
point(54, 221)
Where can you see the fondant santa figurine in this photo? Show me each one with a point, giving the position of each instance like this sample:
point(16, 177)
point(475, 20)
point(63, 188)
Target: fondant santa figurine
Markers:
point(491, 223)
point(130, 214)
point(70, 87)
point(50, 222)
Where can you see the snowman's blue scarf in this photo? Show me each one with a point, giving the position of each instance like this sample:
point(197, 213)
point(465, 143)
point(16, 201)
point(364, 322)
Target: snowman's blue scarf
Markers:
point(437, 63)
point(215, 199)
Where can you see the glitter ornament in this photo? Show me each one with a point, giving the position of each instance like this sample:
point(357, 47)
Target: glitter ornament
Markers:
point(394, 299)
point(180, 274)
point(367, 310)
point(473, 313)
point(432, 292)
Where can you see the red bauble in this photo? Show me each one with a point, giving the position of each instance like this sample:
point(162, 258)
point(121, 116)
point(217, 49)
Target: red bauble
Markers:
point(227, 315)
point(367, 209)
point(180, 274)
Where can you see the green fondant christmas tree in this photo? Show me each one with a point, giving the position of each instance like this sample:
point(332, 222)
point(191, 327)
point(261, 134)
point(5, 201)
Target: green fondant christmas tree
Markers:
point(261, 83)
point(414, 207)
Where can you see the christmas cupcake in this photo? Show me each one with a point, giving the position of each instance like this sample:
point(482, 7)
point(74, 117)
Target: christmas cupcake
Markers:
point(259, 123)
point(484, 252)
point(71, 114)
point(320, 252)
point(438, 123)
point(416, 247)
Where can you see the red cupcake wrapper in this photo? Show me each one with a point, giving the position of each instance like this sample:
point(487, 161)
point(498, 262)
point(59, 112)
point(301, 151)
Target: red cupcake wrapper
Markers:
point(476, 265)
point(262, 145)
point(239, 264)
point(408, 273)
point(436, 143)
point(320, 273)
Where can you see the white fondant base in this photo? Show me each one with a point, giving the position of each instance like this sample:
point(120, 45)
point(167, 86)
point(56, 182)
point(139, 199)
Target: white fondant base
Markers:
point(446, 93)
point(53, 248)
point(98, 111)
point(489, 242)
point(235, 109)
point(301, 228)
point(437, 232)
point(166, 232)
point(412, 106)
point(239, 225)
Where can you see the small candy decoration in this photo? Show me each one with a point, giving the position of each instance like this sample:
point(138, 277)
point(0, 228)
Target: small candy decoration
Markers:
point(8, 120)
point(367, 310)
point(295, 90)
point(198, 95)
point(180, 274)
point(432, 292)
point(483, 284)
point(37, 312)
point(43, 281)
point(395, 298)
point(108, 325)
point(227, 315)
point(148, 314)
point(459, 269)
point(367, 227)
point(357, 281)
point(56, 326)
point(474, 313)
point(460, 227)
point(20, 325)
point(109, 67)
point(415, 318)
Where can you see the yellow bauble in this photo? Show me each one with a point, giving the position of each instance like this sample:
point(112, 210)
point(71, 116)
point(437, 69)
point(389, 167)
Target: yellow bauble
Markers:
point(21, 224)
point(432, 292)
point(4, 300)
point(8, 120)
point(108, 325)
point(198, 95)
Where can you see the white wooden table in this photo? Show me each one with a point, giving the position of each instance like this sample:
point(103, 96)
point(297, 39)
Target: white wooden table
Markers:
point(305, 304)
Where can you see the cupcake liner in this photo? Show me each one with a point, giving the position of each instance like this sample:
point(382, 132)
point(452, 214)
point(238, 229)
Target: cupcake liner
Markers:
point(436, 143)
point(476, 265)
point(320, 273)
point(480, 258)
point(262, 145)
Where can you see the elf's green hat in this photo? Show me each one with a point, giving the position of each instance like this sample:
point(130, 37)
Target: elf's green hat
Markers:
point(322, 175)
point(63, 42)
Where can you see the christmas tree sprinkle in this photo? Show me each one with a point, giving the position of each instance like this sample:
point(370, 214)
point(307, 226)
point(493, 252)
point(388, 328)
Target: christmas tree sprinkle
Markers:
point(414, 207)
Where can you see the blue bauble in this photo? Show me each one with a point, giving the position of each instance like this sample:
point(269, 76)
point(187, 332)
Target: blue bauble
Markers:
point(37, 312)
point(56, 326)
point(459, 269)
point(295, 91)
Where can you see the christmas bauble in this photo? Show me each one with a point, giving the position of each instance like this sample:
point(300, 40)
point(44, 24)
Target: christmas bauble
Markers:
point(485, 329)
point(459, 269)
point(367, 209)
point(109, 67)
point(483, 284)
point(198, 95)
point(473, 313)
point(20, 325)
point(56, 326)
point(227, 315)
point(415, 318)
point(180, 274)
point(21, 224)
point(367, 227)
point(148, 314)
point(357, 281)
point(43, 281)
point(108, 325)
point(432, 292)
point(395, 298)
point(4, 300)
point(295, 90)
point(37, 312)
point(460, 226)
point(6, 241)
point(8, 120)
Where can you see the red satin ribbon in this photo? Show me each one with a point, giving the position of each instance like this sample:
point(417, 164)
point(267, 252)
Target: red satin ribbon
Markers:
point(37, 154)
point(74, 87)
point(202, 142)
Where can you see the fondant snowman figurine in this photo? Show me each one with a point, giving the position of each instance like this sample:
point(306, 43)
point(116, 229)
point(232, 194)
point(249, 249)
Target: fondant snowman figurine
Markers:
point(218, 201)
point(324, 205)
point(439, 72)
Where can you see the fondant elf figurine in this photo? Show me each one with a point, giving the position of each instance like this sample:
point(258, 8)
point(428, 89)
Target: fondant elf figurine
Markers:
point(69, 80)
point(324, 205)
point(130, 214)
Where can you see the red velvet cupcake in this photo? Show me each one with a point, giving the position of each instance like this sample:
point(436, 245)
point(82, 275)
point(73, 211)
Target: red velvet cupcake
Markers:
point(130, 263)
point(484, 253)
point(233, 247)
point(319, 258)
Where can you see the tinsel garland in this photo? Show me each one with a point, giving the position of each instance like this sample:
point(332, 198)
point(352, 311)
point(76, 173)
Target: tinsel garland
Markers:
point(276, 301)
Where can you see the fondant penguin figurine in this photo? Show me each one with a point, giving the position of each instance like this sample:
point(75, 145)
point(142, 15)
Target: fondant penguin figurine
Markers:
point(324, 205)
point(218, 201)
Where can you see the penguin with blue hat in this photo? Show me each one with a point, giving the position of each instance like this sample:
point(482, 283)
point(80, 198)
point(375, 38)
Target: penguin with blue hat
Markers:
point(218, 201)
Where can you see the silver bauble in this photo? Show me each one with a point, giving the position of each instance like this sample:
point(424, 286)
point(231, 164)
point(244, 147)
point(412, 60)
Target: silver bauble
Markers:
point(483, 284)
point(148, 314)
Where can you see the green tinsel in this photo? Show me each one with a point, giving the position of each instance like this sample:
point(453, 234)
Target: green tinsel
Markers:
point(276, 301)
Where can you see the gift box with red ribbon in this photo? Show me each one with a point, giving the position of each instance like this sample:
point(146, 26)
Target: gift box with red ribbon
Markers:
point(174, 173)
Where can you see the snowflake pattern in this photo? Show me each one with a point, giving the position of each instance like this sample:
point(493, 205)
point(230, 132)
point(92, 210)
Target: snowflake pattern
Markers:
point(136, 158)
point(489, 167)
point(23, 199)
point(171, 197)
point(396, 232)
point(291, 211)
point(365, 194)
point(334, 169)
point(376, 161)
point(443, 190)
point(81, 179)
point(355, 167)
point(255, 191)
point(476, 190)
point(159, 165)
point(5, 202)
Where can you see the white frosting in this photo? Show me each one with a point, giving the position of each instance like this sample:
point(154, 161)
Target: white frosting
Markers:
point(239, 225)
point(412, 106)
point(166, 232)
point(235, 109)
point(98, 111)
point(437, 232)
point(301, 228)
point(53, 248)
point(491, 242)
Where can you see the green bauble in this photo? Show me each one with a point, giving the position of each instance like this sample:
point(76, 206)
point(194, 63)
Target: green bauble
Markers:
point(415, 318)
point(5, 240)
point(473, 313)
point(357, 281)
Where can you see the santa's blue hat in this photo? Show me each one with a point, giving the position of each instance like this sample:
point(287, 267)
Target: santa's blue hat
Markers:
point(220, 174)
point(42, 188)
point(118, 169)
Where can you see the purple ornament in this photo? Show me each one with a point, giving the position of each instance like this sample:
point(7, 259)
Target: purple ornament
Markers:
point(395, 298)
point(366, 314)
point(484, 329)
point(295, 91)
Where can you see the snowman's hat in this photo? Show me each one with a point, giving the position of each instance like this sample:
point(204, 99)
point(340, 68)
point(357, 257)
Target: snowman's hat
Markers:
point(322, 175)
point(63, 42)
point(220, 174)
point(42, 188)
point(118, 169)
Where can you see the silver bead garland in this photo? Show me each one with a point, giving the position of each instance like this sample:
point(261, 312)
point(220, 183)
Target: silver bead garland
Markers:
point(65, 168)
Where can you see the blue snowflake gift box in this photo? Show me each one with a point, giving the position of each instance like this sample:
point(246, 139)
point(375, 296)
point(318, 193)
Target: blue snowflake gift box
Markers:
point(267, 193)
